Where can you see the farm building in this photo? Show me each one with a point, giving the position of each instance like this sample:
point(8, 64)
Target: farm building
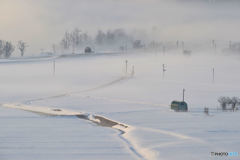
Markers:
point(179, 106)
point(88, 50)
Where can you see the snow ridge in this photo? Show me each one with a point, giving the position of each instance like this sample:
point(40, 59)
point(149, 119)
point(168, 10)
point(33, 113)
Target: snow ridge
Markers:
point(125, 131)
point(96, 119)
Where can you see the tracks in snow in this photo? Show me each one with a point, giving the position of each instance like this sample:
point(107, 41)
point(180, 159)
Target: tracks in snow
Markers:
point(77, 92)
point(96, 119)
point(125, 131)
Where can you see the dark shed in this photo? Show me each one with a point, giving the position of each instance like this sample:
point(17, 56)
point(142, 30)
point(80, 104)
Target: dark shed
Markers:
point(87, 50)
point(179, 106)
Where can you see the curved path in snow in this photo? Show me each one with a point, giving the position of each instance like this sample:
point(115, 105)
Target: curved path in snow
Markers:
point(124, 129)
point(82, 91)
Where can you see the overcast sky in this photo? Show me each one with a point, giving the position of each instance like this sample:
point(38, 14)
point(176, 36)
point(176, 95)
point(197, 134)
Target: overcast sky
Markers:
point(42, 22)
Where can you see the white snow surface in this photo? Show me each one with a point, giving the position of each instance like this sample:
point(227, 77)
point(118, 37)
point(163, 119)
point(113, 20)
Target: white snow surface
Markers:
point(98, 86)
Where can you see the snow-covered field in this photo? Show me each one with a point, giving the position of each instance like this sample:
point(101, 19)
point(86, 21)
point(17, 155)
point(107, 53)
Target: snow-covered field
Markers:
point(98, 87)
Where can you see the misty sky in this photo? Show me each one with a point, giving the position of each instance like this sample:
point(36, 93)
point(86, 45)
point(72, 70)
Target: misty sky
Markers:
point(42, 23)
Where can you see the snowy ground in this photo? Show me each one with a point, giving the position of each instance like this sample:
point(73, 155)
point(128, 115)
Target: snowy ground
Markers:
point(98, 86)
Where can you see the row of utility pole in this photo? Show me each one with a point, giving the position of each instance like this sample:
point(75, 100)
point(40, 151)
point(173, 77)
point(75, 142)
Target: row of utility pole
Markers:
point(164, 70)
point(181, 45)
point(126, 68)
point(133, 70)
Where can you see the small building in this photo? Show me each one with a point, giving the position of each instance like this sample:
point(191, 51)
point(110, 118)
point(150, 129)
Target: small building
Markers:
point(179, 106)
point(88, 50)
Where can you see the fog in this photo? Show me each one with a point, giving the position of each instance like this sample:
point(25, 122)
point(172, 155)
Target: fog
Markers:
point(42, 23)
point(174, 46)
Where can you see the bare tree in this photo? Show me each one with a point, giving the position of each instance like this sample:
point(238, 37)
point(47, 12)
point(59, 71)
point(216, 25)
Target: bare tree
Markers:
point(112, 37)
point(234, 102)
point(2, 43)
point(66, 41)
point(8, 49)
point(22, 47)
point(74, 39)
point(224, 101)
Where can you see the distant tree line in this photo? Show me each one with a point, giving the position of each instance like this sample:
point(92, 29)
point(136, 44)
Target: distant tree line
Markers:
point(77, 39)
point(112, 37)
point(227, 101)
point(7, 48)
point(117, 39)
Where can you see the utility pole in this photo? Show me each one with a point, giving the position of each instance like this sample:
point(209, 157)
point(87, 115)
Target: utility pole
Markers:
point(183, 94)
point(163, 70)
point(133, 72)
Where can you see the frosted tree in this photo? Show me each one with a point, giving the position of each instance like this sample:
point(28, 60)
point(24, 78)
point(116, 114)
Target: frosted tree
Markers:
point(224, 101)
point(66, 41)
point(234, 102)
point(74, 39)
point(22, 47)
point(2, 43)
point(8, 49)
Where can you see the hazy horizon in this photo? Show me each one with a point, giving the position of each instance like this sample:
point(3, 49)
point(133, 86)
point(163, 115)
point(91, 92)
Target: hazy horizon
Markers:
point(42, 23)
